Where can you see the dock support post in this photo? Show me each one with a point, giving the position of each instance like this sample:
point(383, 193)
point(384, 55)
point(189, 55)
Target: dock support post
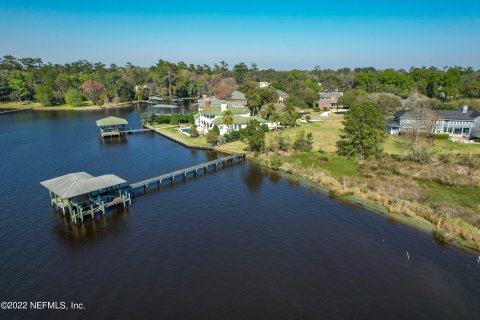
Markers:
point(70, 208)
point(73, 216)
point(51, 198)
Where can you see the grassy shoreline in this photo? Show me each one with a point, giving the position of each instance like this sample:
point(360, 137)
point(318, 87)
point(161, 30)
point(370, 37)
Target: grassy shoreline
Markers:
point(417, 222)
point(87, 106)
point(329, 173)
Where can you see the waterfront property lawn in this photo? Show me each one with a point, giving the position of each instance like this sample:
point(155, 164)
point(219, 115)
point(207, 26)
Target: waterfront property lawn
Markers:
point(174, 133)
point(325, 133)
point(234, 147)
point(398, 145)
point(335, 166)
point(462, 197)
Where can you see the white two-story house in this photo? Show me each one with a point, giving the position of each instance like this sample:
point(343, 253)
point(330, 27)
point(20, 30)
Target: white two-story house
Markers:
point(210, 113)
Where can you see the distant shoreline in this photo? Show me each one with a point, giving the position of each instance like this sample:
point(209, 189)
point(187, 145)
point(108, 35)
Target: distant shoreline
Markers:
point(33, 106)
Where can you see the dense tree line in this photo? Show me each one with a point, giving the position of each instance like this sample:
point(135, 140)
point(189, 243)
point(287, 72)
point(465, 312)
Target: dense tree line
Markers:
point(72, 83)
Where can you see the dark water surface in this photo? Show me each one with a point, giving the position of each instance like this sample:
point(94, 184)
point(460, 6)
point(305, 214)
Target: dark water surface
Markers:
point(239, 243)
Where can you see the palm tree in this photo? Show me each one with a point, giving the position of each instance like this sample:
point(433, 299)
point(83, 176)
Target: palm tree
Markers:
point(228, 118)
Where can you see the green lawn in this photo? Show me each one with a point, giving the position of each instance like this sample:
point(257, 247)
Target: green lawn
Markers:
point(235, 147)
point(325, 135)
point(398, 145)
point(173, 132)
point(463, 197)
point(336, 166)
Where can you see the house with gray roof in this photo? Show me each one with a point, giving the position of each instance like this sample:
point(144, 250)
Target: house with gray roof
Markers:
point(211, 111)
point(459, 123)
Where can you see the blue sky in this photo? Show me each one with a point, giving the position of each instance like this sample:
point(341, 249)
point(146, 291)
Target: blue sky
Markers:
point(295, 34)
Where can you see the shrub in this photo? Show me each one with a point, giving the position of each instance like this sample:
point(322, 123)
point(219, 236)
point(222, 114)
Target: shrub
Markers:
point(193, 131)
point(303, 143)
point(174, 121)
point(264, 127)
point(212, 137)
point(308, 118)
point(441, 136)
point(275, 162)
point(279, 142)
point(232, 136)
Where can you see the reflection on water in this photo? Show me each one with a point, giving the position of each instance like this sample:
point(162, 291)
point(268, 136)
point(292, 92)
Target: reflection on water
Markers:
point(92, 230)
point(113, 140)
point(253, 179)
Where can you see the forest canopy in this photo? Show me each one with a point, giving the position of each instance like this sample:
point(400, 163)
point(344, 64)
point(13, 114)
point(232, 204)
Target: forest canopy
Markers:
point(54, 84)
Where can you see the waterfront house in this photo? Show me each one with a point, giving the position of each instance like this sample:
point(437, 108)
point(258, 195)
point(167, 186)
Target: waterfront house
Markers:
point(211, 113)
point(329, 100)
point(456, 123)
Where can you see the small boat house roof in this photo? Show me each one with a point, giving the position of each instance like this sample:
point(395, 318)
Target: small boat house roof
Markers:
point(80, 183)
point(111, 121)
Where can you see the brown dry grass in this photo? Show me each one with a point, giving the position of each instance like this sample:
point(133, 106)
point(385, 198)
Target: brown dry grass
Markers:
point(448, 174)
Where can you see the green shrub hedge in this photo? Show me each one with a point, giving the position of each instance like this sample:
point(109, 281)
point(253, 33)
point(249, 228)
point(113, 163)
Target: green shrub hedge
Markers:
point(441, 136)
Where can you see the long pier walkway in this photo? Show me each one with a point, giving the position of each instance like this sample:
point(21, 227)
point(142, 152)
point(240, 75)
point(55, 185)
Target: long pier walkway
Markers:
point(194, 170)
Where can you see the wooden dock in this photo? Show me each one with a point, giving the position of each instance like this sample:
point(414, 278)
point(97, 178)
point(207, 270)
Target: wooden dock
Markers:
point(134, 131)
point(183, 173)
point(74, 192)
point(123, 132)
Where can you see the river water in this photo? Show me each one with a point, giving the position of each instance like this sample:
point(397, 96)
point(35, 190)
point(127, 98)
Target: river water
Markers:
point(238, 243)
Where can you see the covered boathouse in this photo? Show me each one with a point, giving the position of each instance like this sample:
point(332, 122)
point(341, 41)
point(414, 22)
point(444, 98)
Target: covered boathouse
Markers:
point(112, 126)
point(168, 109)
point(83, 194)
